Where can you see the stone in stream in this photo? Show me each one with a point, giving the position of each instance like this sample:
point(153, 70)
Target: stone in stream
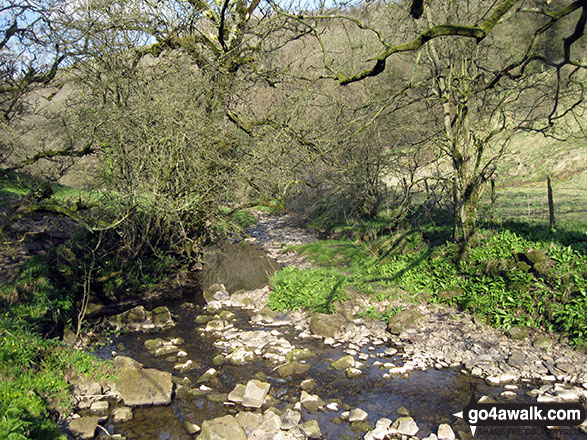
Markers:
point(379, 433)
point(141, 387)
point(122, 414)
point(311, 429)
point(240, 356)
point(327, 326)
point(299, 354)
point(292, 368)
point(255, 393)
point(358, 415)
point(311, 402)
point(271, 422)
point(209, 374)
point(166, 350)
point(100, 407)
point(343, 363)
point(222, 428)
point(351, 372)
point(215, 325)
point(161, 318)
point(186, 366)
point(405, 426)
point(84, 427)
point(249, 420)
point(290, 418)
point(219, 360)
point(445, 432)
point(153, 344)
point(204, 319)
point(308, 385)
point(236, 395)
point(191, 428)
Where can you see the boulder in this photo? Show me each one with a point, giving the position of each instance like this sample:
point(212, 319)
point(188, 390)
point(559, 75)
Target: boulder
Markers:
point(222, 428)
point(84, 427)
point(542, 341)
point(327, 325)
point(517, 333)
point(142, 387)
point(125, 363)
point(533, 256)
point(404, 320)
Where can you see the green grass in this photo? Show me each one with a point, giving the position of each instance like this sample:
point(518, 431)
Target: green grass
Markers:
point(489, 281)
point(22, 185)
point(314, 289)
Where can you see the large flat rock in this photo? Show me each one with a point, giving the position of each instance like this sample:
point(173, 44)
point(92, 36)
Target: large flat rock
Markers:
point(222, 428)
point(143, 387)
point(84, 427)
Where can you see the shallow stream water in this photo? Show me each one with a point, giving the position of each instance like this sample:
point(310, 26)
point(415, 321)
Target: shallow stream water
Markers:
point(431, 396)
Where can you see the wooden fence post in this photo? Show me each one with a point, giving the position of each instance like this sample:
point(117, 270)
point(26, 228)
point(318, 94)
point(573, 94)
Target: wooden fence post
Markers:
point(550, 204)
point(492, 199)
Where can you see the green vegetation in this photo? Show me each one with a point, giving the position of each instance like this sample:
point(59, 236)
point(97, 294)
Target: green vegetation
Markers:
point(519, 275)
point(314, 289)
point(34, 367)
point(33, 372)
point(19, 184)
point(162, 122)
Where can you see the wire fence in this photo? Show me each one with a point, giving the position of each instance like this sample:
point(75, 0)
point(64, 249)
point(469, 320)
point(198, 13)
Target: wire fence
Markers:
point(530, 204)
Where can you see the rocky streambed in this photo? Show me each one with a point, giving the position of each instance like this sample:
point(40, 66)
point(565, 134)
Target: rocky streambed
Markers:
point(230, 368)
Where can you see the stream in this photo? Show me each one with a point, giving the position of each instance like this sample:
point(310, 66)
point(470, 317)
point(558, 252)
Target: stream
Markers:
point(429, 396)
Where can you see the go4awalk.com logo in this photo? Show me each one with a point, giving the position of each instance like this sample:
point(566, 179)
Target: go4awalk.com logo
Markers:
point(522, 414)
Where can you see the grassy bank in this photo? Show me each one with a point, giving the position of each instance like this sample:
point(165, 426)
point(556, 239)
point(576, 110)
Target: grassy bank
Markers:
point(516, 274)
point(34, 366)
